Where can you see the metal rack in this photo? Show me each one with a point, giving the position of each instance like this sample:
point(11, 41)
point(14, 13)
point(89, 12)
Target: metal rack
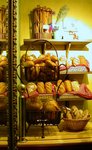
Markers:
point(40, 116)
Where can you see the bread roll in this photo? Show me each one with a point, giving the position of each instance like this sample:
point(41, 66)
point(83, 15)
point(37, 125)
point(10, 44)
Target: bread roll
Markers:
point(48, 87)
point(41, 88)
point(37, 69)
point(3, 58)
point(61, 87)
point(75, 61)
point(68, 85)
point(83, 60)
point(54, 58)
point(26, 57)
point(68, 115)
point(50, 63)
point(75, 85)
point(31, 87)
point(3, 63)
point(51, 105)
point(40, 59)
point(34, 105)
point(28, 63)
point(3, 87)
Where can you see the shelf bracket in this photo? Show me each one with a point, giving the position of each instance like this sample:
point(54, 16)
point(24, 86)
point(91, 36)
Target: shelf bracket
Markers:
point(67, 52)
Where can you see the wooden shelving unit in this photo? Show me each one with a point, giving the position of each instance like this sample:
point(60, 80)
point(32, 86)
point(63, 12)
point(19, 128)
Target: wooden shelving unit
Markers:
point(59, 44)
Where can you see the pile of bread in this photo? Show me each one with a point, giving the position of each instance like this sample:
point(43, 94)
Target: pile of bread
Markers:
point(50, 107)
point(60, 87)
point(74, 61)
point(43, 67)
point(75, 113)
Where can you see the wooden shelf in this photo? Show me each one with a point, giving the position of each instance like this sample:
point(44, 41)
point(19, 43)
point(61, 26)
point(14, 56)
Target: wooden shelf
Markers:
point(58, 44)
point(70, 97)
point(53, 137)
point(64, 97)
point(77, 72)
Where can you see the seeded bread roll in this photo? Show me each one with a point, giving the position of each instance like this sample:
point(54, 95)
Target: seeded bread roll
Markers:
point(68, 85)
point(41, 88)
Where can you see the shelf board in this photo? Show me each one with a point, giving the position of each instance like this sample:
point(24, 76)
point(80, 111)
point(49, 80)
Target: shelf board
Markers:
point(64, 97)
point(54, 137)
point(70, 97)
point(58, 44)
point(77, 72)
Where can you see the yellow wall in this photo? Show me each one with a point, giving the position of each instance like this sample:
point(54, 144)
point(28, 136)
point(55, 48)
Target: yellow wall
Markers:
point(78, 9)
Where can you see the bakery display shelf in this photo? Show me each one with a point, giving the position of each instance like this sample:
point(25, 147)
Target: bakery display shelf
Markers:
point(55, 137)
point(42, 96)
point(70, 97)
point(38, 117)
point(64, 97)
point(59, 44)
point(75, 72)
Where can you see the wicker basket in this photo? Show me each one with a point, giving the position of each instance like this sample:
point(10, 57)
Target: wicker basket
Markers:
point(75, 124)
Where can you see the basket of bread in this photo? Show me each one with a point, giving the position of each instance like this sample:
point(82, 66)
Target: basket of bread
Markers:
point(38, 111)
point(42, 68)
point(75, 119)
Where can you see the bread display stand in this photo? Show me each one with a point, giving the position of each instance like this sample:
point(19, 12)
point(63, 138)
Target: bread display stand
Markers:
point(42, 45)
point(38, 117)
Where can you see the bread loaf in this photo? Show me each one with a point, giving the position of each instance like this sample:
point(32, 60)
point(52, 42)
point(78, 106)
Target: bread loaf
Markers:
point(75, 85)
point(40, 87)
point(34, 105)
point(31, 87)
point(54, 58)
point(48, 87)
point(68, 85)
point(61, 87)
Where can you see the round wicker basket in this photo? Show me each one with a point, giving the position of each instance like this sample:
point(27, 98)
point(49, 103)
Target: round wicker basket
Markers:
point(75, 124)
